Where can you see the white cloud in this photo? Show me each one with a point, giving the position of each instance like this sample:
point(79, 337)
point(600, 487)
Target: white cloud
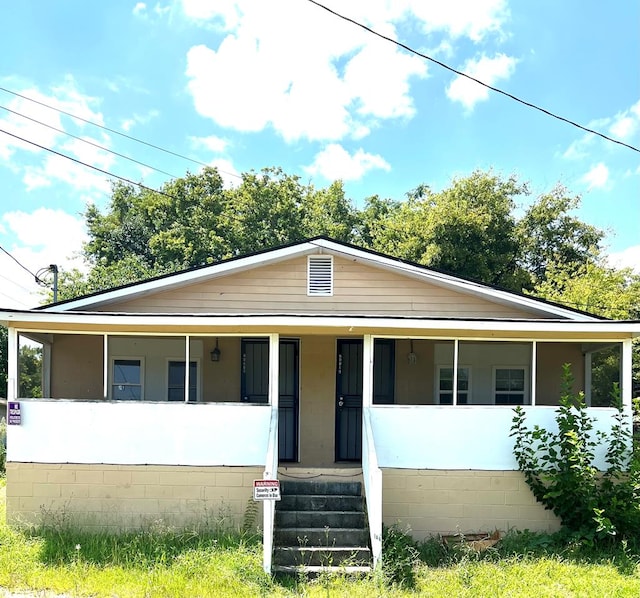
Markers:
point(139, 8)
point(44, 237)
point(138, 119)
point(211, 143)
point(487, 70)
point(627, 258)
point(597, 177)
point(230, 176)
point(334, 162)
point(624, 126)
point(328, 88)
point(469, 18)
point(58, 169)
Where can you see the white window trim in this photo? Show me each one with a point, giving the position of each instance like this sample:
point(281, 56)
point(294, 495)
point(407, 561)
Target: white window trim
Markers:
point(198, 378)
point(112, 363)
point(525, 395)
point(438, 392)
point(310, 260)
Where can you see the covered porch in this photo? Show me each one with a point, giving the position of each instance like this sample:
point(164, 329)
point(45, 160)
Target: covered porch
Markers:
point(286, 394)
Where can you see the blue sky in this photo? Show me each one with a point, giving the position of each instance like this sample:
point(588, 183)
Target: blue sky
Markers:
point(248, 84)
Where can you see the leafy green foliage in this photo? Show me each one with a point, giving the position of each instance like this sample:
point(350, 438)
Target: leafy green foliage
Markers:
point(558, 467)
point(400, 556)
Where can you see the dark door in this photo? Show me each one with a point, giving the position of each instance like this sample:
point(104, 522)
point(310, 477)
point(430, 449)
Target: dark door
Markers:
point(349, 391)
point(255, 388)
point(349, 401)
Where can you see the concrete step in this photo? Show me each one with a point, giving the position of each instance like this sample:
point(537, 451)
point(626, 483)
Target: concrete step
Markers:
point(322, 556)
point(321, 487)
point(321, 536)
point(314, 571)
point(319, 502)
point(320, 518)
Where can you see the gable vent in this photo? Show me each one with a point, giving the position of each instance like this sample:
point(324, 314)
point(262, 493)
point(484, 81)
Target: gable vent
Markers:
point(320, 276)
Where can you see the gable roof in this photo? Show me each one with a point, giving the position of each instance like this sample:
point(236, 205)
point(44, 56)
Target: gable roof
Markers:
point(315, 246)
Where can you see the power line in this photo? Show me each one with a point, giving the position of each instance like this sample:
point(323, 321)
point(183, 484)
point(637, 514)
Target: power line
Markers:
point(461, 74)
point(19, 264)
point(115, 132)
point(108, 173)
point(102, 147)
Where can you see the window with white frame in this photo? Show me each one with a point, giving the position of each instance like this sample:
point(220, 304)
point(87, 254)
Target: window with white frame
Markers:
point(127, 377)
point(176, 380)
point(445, 385)
point(510, 385)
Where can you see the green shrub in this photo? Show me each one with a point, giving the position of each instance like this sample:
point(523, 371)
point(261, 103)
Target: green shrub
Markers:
point(400, 556)
point(558, 467)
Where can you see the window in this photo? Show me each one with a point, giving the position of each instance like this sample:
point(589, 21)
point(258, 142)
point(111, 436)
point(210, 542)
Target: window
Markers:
point(445, 385)
point(320, 275)
point(175, 383)
point(127, 380)
point(509, 385)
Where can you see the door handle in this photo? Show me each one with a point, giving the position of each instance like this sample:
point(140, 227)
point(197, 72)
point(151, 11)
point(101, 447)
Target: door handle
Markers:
point(341, 402)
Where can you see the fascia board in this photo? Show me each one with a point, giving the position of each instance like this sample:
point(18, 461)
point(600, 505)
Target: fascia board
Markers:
point(140, 322)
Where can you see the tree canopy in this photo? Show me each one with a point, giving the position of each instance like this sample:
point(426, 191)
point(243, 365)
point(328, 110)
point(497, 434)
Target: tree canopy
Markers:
point(470, 229)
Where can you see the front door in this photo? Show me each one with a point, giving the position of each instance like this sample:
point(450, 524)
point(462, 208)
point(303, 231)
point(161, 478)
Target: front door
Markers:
point(255, 388)
point(349, 391)
point(349, 400)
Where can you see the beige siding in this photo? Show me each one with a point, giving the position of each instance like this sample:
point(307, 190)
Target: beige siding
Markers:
point(119, 497)
point(317, 400)
point(77, 367)
point(281, 287)
point(431, 502)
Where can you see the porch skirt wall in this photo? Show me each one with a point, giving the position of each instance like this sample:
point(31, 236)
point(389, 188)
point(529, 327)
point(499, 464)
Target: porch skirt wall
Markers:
point(126, 497)
point(429, 502)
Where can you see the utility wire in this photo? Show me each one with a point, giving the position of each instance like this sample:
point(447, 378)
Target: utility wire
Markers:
point(19, 264)
point(115, 132)
point(102, 147)
point(111, 174)
point(461, 74)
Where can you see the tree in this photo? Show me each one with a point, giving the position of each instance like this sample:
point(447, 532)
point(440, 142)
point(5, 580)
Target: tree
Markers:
point(550, 236)
point(30, 372)
point(468, 229)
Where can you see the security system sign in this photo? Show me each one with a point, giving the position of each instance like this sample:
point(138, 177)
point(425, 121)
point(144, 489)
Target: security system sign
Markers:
point(266, 490)
point(14, 414)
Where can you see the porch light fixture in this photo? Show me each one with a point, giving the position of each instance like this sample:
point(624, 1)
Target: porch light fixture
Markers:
point(412, 358)
point(215, 354)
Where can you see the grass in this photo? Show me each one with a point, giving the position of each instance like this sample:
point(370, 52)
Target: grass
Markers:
point(161, 562)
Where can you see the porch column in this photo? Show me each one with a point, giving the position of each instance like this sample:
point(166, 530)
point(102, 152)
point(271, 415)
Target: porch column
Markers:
point(12, 349)
point(187, 355)
point(274, 369)
point(456, 350)
point(627, 376)
point(105, 366)
point(367, 374)
point(534, 371)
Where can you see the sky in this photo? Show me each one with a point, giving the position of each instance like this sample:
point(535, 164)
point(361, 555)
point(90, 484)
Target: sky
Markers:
point(248, 84)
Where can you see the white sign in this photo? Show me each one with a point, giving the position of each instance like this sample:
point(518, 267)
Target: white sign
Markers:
point(266, 490)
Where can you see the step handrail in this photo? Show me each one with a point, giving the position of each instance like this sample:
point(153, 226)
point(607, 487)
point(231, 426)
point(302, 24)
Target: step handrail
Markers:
point(372, 475)
point(269, 506)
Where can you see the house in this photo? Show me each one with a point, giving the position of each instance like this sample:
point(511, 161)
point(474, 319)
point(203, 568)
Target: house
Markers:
point(166, 399)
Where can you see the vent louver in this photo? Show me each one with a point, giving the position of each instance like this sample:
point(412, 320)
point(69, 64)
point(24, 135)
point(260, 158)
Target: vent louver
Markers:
point(320, 276)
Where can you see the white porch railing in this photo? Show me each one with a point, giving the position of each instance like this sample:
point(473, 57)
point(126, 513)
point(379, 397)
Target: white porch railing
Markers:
point(132, 433)
point(269, 506)
point(372, 486)
point(460, 437)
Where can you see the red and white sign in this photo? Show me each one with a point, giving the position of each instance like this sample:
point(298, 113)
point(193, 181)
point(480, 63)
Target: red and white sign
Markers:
point(266, 490)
